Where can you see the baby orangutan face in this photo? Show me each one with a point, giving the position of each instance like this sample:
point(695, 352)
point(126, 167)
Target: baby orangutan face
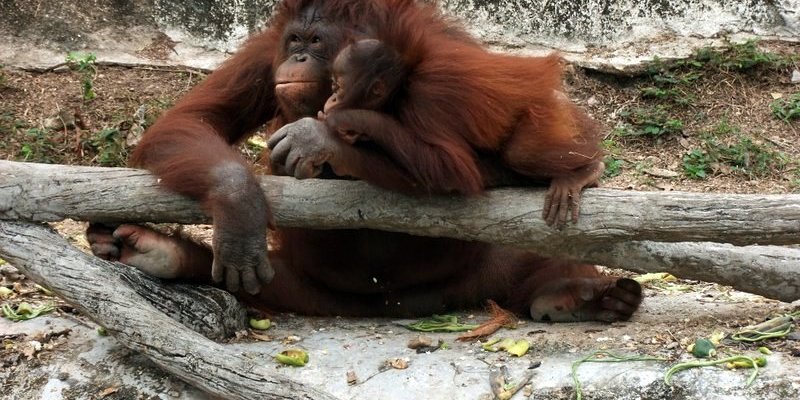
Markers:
point(360, 76)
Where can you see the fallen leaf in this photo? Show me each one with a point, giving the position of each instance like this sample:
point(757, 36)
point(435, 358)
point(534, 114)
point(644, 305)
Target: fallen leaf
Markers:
point(109, 390)
point(397, 363)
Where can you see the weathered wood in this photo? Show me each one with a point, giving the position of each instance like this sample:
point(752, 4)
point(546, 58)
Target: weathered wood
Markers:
point(102, 291)
point(211, 312)
point(38, 192)
point(770, 271)
point(611, 232)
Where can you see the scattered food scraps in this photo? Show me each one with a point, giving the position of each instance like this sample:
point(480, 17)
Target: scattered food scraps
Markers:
point(397, 363)
point(440, 323)
point(731, 362)
point(26, 311)
point(514, 347)
point(420, 341)
point(603, 356)
point(499, 318)
point(502, 387)
point(702, 348)
point(655, 276)
point(773, 328)
point(260, 324)
point(293, 357)
point(352, 379)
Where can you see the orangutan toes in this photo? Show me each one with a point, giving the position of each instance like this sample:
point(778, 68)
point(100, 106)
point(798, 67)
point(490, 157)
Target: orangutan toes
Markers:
point(150, 251)
point(620, 301)
point(587, 299)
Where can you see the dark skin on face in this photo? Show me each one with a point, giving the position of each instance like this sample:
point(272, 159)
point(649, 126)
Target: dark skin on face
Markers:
point(445, 132)
point(358, 87)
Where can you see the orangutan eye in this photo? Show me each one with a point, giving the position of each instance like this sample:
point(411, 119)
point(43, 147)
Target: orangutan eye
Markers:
point(294, 39)
point(316, 39)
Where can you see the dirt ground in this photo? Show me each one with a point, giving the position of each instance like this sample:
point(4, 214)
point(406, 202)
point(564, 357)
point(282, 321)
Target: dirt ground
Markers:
point(707, 124)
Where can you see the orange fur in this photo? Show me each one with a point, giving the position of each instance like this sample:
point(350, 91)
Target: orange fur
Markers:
point(463, 105)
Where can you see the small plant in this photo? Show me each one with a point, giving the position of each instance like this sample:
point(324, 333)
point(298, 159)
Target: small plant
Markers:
point(38, 147)
point(696, 164)
point(751, 158)
point(794, 182)
point(743, 156)
point(9, 124)
point(110, 146)
point(787, 109)
point(667, 83)
point(653, 121)
point(742, 57)
point(673, 95)
point(613, 164)
point(85, 64)
point(746, 56)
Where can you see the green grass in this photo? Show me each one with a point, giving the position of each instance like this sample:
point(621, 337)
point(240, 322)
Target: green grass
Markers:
point(612, 161)
point(742, 57)
point(110, 146)
point(696, 164)
point(38, 147)
point(671, 83)
point(787, 109)
point(648, 121)
point(742, 155)
point(9, 124)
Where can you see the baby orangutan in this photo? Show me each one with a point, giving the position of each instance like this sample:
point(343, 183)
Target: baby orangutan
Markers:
point(373, 97)
point(367, 75)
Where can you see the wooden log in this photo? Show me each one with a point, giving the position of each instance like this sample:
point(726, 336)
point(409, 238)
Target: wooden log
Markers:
point(39, 192)
point(616, 227)
point(771, 271)
point(104, 292)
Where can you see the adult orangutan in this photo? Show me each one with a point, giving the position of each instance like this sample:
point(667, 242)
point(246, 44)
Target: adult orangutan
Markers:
point(283, 74)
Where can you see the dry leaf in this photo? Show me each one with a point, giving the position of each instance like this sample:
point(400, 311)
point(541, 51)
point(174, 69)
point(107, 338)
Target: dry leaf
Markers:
point(109, 390)
point(397, 363)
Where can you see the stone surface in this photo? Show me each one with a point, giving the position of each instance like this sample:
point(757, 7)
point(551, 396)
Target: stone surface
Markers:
point(84, 364)
point(603, 34)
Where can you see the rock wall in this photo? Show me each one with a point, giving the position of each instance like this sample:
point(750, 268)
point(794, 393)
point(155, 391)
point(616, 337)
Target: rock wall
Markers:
point(605, 34)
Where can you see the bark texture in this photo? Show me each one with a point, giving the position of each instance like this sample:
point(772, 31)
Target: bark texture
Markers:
point(105, 292)
point(639, 231)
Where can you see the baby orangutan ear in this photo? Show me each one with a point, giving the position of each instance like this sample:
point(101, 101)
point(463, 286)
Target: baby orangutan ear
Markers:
point(378, 91)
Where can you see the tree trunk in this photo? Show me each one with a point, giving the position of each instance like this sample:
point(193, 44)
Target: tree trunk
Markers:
point(104, 292)
point(39, 192)
point(616, 228)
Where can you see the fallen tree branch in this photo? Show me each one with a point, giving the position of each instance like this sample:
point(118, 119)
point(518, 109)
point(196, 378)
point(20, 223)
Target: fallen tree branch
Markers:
point(39, 192)
point(614, 229)
point(102, 291)
point(769, 271)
